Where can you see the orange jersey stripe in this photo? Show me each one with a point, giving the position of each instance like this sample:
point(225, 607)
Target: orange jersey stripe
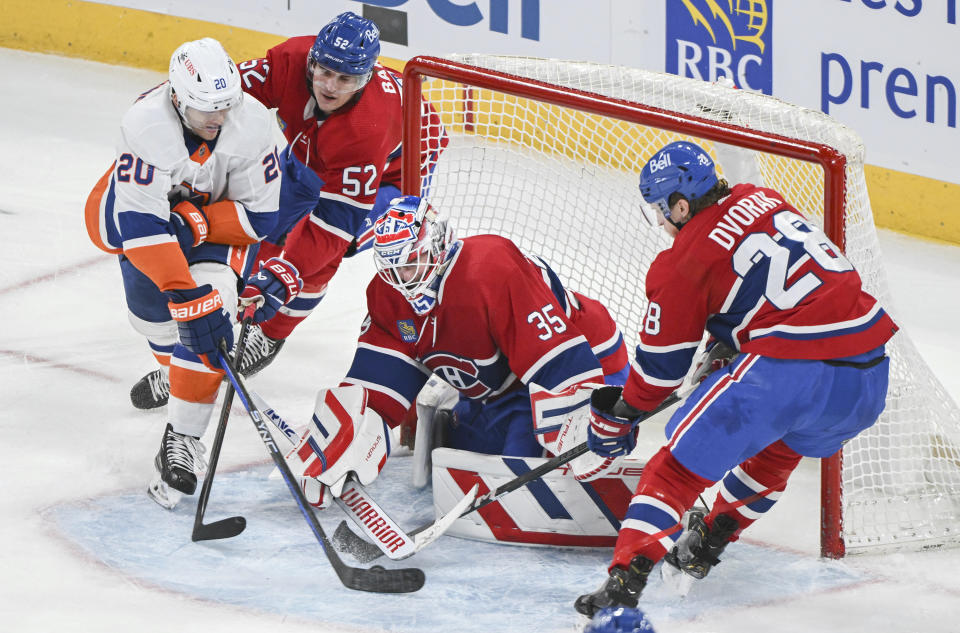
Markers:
point(164, 264)
point(223, 219)
point(194, 386)
point(92, 212)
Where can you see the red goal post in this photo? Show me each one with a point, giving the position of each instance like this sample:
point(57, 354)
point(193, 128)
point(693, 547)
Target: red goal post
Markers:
point(600, 123)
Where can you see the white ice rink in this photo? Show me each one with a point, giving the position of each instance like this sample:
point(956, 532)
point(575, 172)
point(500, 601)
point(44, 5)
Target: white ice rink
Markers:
point(83, 549)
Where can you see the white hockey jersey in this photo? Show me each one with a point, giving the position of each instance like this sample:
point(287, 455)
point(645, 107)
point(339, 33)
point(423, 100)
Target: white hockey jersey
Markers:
point(234, 179)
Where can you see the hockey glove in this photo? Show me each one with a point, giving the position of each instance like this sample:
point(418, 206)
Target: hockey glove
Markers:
point(612, 423)
point(190, 224)
point(275, 284)
point(201, 321)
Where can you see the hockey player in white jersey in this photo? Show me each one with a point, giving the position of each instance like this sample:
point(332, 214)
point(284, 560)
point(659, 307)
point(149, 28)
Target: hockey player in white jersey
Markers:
point(194, 188)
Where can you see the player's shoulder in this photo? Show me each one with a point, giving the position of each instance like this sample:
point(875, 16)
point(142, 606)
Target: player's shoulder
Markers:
point(487, 260)
point(249, 129)
point(151, 129)
point(380, 104)
point(494, 250)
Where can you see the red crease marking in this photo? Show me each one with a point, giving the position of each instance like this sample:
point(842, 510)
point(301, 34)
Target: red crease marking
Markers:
point(30, 359)
point(51, 276)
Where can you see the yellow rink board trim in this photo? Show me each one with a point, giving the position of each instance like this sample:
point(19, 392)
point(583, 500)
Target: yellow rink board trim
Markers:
point(115, 35)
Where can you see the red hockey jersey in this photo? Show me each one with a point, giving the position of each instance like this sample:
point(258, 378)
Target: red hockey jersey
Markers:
point(758, 276)
point(501, 317)
point(352, 151)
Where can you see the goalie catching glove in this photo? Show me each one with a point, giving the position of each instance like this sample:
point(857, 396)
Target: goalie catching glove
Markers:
point(343, 436)
point(612, 423)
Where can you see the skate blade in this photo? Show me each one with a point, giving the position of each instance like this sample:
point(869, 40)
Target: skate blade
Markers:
point(163, 494)
point(675, 580)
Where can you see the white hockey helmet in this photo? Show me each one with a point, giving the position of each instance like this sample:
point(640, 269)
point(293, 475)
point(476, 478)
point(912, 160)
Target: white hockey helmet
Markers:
point(204, 77)
point(411, 247)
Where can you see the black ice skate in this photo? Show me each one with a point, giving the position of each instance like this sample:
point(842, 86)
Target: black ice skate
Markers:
point(698, 550)
point(621, 589)
point(151, 391)
point(178, 461)
point(259, 352)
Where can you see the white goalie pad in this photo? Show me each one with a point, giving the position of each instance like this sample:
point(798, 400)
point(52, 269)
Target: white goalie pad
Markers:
point(555, 510)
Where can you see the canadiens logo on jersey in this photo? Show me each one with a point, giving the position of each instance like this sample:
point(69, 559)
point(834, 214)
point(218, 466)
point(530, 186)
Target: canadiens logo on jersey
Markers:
point(460, 373)
point(408, 331)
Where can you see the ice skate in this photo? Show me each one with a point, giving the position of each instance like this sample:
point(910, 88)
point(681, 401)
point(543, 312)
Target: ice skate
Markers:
point(260, 350)
point(697, 550)
point(621, 589)
point(178, 462)
point(151, 391)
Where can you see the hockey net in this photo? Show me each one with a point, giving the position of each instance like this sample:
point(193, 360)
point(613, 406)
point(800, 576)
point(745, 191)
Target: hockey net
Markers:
point(548, 153)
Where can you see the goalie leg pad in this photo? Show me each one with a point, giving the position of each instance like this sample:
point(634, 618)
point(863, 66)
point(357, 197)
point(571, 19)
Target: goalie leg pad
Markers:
point(554, 510)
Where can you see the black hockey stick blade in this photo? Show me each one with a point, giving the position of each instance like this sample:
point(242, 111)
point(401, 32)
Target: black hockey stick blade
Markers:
point(224, 528)
point(376, 579)
point(232, 526)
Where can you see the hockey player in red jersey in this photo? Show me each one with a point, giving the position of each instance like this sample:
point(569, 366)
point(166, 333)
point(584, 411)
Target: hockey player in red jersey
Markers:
point(195, 184)
point(811, 373)
point(475, 311)
point(340, 112)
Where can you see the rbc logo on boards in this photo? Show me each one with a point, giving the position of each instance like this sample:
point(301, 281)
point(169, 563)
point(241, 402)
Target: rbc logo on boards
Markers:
point(469, 14)
point(710, 39)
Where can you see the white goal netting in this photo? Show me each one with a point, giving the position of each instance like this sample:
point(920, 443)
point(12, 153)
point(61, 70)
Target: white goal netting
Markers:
point(562, 183)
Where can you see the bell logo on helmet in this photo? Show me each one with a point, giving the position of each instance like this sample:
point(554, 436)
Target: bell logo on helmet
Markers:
point(660, 163)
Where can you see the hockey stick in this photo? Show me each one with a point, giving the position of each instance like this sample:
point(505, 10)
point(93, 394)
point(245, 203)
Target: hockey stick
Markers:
point(366, 552)
point(375, 579)
point(388, 537)
point(232, 526)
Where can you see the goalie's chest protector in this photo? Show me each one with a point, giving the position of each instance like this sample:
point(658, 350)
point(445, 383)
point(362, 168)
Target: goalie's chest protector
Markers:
point(479, 337)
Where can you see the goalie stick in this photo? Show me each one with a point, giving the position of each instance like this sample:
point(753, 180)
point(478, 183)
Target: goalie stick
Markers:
point(231, 526)
point(366, 552)
point(375, 579)
point(387, 536)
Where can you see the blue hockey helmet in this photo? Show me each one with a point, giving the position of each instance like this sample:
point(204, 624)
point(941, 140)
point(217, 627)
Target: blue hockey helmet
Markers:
point(349, 45)
point(680, 167)
point(619, 620)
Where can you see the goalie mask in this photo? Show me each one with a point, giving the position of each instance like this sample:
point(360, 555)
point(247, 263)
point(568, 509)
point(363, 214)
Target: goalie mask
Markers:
point(206, 83)
point(411, 247)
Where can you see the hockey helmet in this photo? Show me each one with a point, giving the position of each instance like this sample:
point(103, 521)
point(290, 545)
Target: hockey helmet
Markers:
point(348, 45)
point(619, 620)
point(410, 248)
point(680, 167)
point(204, 77)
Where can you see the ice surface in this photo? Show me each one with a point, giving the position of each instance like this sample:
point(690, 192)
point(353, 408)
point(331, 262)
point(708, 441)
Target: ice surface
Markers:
point(84, 549)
